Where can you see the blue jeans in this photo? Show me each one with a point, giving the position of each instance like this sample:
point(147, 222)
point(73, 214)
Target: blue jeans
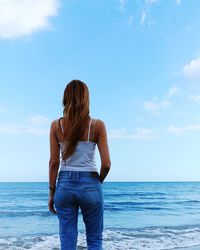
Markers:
point(76, 189)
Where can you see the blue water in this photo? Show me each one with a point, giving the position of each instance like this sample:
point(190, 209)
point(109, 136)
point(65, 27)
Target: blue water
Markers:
point(138, 215)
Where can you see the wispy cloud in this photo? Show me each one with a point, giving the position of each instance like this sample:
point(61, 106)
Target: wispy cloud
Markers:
point(37, 126)
point(194, 98)
point(145, 12)
point(192, 70)
point(181, 130)
point(118, 133)
point(178, 2)
point(16, 129)
point(143, 17)
point(122, 5)
point(151, 1)
point(174, 91)
point(158, 104)
point(138, 133)
point(155, 106)
point(130, 20)
point(38, 120)
point(144, 134)
point(20, 18)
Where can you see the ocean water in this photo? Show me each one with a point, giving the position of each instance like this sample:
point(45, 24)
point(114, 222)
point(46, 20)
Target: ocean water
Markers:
point(138, 215)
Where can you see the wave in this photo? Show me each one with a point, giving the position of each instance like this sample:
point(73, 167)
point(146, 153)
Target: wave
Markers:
point(109, 207)
point(151, 238)
point(24, 213)
point(136, 194)
point(136, 206)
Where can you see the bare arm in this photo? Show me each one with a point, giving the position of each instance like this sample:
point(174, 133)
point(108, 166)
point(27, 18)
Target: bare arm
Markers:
point(102, 144)
point(54, 159)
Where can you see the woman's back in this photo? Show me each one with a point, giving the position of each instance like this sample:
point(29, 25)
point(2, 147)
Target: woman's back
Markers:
point(84, 155)
point(83, 158)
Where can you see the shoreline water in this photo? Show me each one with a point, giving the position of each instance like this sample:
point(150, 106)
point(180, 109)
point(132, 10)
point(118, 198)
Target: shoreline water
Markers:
point(146, 215)
point(189, 248)
point(110, 242)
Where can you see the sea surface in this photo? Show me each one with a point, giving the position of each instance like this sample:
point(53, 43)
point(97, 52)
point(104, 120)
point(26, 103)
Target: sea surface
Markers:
point(137, 215)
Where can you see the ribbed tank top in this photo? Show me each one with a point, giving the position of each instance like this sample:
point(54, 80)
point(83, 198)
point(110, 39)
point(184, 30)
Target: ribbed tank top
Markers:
point(83, 158)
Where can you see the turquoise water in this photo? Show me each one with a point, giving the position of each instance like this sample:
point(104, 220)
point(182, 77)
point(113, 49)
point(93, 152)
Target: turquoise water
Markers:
point(138, 215)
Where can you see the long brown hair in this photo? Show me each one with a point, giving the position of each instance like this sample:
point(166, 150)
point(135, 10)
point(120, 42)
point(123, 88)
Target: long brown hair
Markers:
point(75, 114)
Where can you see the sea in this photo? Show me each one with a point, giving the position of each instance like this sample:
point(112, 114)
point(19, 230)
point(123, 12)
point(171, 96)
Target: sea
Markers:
point(137, 215)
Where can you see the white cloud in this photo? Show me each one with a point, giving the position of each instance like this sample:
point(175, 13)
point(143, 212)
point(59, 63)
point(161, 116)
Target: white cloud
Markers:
point(130, 20)
point(23, 17)
point(122, 5)
point(139, 134)
point(174, 91)
point(38, 125)
point(182, 130)
point(145, 14)
point(156, 105)
point(178, 2)
point(195, 98)
point(118, 133)
point(16, 129)
point(143, 17)
point(38, 120)
point(151, 1)
point(144, 134)
point(192, 70)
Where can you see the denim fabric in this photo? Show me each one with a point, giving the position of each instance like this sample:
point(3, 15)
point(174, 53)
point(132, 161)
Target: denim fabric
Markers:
point(76, 189)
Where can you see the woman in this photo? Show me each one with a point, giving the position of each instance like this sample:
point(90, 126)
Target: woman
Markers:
point(79, 184)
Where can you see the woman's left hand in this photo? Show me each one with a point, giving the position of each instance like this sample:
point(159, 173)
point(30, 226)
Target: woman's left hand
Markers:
point(51, 206)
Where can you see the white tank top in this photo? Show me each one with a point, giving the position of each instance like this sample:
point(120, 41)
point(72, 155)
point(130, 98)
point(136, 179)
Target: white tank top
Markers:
point(83, 158)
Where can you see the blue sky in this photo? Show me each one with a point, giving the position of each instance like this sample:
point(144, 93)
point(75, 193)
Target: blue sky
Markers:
point(141, 62)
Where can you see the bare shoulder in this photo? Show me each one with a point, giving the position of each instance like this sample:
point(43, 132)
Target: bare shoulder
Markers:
point(100, 128)
point(54, 124)
point(100, 124)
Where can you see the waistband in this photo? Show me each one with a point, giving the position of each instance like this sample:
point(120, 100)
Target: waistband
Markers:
point(79, 174)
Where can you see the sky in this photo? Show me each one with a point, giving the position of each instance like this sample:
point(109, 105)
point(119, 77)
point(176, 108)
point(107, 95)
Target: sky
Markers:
point(141, 62)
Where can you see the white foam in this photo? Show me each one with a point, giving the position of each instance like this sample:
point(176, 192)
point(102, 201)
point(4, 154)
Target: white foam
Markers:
point(140, 239)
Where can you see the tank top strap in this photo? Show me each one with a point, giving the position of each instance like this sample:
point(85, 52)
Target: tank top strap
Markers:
point(61, 126)
point(93, 129)
point(57, 129)
point(89, 129)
